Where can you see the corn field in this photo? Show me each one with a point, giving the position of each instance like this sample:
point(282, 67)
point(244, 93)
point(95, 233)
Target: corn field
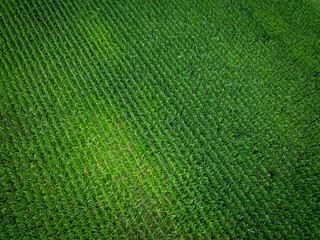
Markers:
point(159, 119)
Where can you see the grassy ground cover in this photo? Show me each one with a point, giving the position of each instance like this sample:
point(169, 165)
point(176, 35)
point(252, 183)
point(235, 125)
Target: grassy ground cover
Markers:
point(159, 119)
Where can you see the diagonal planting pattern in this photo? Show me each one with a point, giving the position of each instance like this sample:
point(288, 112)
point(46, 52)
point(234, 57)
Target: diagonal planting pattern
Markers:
point(159, 120)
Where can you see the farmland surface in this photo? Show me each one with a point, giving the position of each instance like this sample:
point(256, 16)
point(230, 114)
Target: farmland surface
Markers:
point(159, 119)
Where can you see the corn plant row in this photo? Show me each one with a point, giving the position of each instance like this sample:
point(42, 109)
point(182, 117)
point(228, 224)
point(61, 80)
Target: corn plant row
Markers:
point(156, 120)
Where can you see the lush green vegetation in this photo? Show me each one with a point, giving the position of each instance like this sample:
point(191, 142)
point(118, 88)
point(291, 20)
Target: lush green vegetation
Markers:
point(159, 119)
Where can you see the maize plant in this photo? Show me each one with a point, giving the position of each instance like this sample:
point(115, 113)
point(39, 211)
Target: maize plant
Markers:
point(159, 119)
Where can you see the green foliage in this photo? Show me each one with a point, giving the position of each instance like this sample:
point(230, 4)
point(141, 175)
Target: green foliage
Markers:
point(169, 120)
